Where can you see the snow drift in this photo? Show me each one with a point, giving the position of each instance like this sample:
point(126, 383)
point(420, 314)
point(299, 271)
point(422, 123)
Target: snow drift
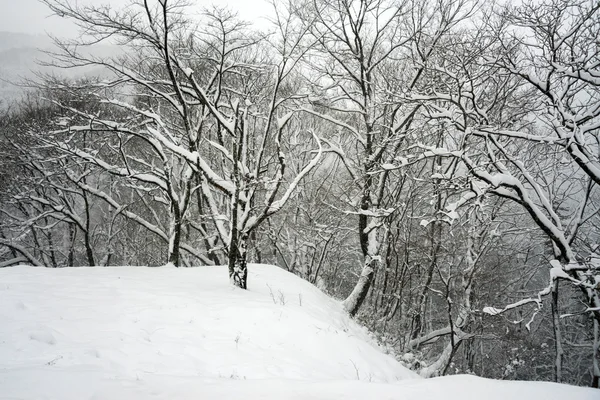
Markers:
point(166, 333)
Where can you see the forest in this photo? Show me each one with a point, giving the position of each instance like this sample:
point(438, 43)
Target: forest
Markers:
point(433, 164)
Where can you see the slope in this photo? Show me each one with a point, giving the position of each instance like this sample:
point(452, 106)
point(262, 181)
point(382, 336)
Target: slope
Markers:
point(166, 333)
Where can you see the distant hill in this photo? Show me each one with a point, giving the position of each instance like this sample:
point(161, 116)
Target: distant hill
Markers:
point(21, 56)
point(13, 40)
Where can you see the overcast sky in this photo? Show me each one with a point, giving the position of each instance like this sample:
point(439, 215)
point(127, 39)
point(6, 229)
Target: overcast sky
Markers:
point(30, 16)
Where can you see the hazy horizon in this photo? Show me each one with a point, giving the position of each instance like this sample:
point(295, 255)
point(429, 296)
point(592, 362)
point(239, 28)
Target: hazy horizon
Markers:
point(34, 18)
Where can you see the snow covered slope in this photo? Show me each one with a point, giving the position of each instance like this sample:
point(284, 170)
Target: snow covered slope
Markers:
point(167, 333)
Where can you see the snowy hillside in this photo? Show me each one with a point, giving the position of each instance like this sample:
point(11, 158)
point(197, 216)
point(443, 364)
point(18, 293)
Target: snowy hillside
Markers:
point(166, 333)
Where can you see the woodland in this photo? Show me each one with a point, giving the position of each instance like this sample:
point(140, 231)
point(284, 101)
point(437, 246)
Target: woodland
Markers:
point(433, 164)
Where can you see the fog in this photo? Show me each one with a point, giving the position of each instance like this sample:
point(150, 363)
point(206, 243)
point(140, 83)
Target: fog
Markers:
point(33, 17)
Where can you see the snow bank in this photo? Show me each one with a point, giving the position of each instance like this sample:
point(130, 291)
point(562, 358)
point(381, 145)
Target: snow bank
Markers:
point(167, 333)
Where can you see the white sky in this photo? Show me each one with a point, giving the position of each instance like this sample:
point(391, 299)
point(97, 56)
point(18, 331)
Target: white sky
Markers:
point(30, 16)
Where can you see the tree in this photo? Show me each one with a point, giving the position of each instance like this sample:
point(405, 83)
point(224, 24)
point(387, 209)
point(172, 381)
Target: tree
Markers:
point(208, 104)
point(492, 100)
point(358, 45)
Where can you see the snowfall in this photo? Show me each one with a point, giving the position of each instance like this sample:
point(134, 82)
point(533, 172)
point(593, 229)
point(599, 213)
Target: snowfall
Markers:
point(186, 333)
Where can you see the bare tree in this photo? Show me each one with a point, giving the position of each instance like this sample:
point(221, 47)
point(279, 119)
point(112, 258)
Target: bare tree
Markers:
point(208, 104)
point(492, 102)
point(357, 76)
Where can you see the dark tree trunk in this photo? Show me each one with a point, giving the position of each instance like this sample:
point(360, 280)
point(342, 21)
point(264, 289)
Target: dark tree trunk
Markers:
point(51, 247)
point(238, 265)
point(596, 356)
point(557, 335)
point(86, 234)
point(72, 236)
point(175, 240)
point(435, 241)
point(88, 250)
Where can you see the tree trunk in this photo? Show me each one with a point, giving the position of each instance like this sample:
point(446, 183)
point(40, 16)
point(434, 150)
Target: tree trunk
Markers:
point(368, 244)
point(174, 239)
point(88, 250)
point(238, 266)
point(210, 246)
point(51, 248)
point(434, 249)
point(86, 234)
point(596, 356)
point(557, 335)
point(72, 237)
point(359, 293)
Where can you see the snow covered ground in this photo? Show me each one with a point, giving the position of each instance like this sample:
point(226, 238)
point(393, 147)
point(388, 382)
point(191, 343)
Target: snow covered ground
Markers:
point(167, 333)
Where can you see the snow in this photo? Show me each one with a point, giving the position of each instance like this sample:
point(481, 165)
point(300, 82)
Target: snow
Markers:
point(557, 271)
point(453, 215)
point(281, 122)
point(491, 310)
point(177, 333)
point(402, 160)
